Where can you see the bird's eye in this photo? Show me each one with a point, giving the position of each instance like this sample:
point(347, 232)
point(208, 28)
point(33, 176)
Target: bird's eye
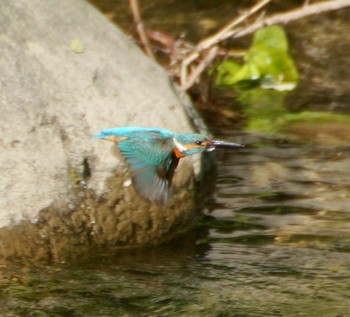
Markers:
point(199, 142)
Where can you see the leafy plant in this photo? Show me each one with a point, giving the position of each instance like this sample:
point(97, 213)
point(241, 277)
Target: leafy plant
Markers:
point(267, 64)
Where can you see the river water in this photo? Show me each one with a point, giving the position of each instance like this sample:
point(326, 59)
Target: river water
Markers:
point(274, 239)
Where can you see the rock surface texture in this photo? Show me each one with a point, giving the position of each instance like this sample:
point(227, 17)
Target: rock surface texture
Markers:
point(67, 72)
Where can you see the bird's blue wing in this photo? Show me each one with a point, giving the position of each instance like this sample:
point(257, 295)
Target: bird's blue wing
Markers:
point(150, 181)
point(151, 163)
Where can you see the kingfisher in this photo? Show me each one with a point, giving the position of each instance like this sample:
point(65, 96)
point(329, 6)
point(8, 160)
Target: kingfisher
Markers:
point(152, 155)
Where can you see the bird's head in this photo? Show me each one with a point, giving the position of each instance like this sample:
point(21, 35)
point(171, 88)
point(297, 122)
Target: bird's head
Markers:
point(192, 143)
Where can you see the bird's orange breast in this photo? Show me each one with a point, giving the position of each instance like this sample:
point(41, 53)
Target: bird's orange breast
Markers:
point(178, 153)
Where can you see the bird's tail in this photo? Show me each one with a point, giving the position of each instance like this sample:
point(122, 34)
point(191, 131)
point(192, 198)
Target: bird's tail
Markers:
point(101, 134)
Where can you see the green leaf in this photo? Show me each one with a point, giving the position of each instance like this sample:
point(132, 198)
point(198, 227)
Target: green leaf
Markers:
point(271, 37)
point(225, 73)
point(267, 64)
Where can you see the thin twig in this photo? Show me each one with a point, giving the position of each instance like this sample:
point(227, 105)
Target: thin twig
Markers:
point(140, 28)
point(184, 67)
point(222, 34)
point(283, 18)
point(200, 68)
point(187, 82)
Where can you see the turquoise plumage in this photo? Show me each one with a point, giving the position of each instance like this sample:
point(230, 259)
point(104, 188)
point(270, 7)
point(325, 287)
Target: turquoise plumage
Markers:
point(152, 156)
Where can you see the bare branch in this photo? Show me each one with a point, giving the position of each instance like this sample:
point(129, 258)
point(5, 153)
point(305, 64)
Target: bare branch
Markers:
point(222, 34)
point(283, 18)
point(184, 67)
point(200, 68)
point(140, 28)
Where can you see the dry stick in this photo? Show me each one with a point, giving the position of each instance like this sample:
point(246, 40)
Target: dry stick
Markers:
point(211, 41)
point(283, 18)
point(139, 27)
point(184, 66)
point(221, 35)
point(200, 68)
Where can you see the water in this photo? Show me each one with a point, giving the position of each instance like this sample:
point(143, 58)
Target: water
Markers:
point(274, 239)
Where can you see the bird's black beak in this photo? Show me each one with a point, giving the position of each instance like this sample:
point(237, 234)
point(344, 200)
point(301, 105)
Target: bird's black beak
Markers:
point(214, 143)
point(226, 144)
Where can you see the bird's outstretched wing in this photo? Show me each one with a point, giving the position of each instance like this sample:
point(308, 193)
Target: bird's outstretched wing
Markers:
point(151, 163)
point(152, 182)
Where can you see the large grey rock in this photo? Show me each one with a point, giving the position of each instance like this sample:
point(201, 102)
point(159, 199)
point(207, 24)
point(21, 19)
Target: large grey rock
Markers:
point(67, 72)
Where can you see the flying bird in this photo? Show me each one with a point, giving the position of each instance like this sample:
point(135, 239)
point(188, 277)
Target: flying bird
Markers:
point(153, 154)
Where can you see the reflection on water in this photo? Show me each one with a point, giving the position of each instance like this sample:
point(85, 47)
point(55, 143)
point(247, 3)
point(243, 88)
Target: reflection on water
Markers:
point(279, 230)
